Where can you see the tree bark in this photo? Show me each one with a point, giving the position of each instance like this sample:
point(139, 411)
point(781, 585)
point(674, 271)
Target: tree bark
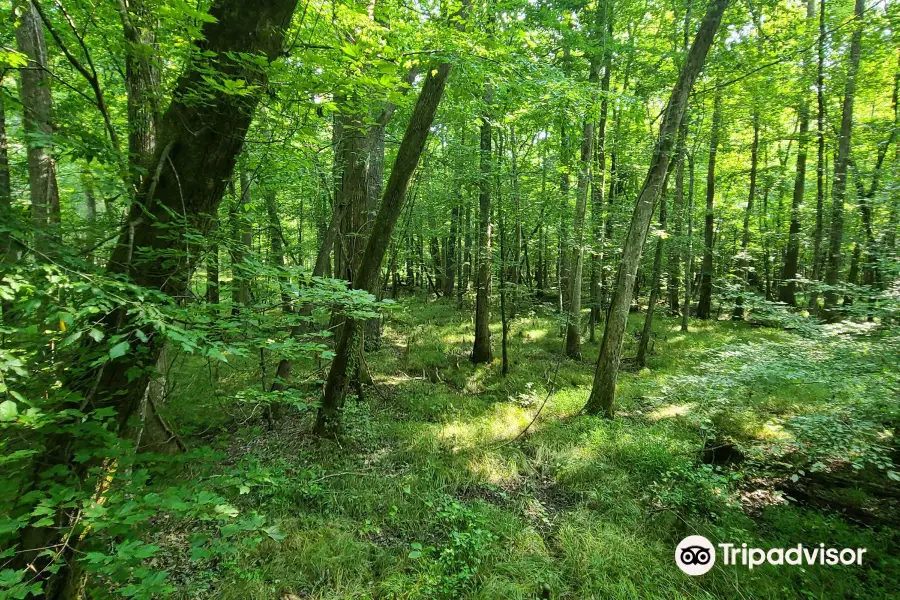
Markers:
point(644, 344)
point(573, 319)
point(141, 84)
point(367, 275)
point(787, 293)
point(481, 349)
point(242, 240)
point(839, 185)
point(744, 261)
point(689, 256)
point(195, 156)
point(704, 302)
point(37, 104)
point(820, 161)
point(598, 187)
point(604, 387)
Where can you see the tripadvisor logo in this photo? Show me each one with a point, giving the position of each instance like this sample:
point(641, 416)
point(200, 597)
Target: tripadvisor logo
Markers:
point(696, 555)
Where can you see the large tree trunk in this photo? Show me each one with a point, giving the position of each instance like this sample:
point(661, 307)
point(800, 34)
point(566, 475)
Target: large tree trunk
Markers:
point(481, 349)
point(195, 156)
point(704, 302)
point(367, 276)
point(37, 104)
point(141, 82)
point(839, 185)
point(604, 387)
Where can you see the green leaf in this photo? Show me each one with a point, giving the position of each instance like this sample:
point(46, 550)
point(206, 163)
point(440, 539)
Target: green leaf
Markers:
point(8, 411)
point(119, 350)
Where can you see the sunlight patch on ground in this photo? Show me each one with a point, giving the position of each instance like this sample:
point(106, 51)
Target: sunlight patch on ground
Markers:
point(533, 335)
point(494, 469)
point(772, 431)
point(670, 410)
point(504, 421)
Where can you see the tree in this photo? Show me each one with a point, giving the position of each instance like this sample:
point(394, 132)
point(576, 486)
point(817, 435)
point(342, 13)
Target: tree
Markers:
point(704, 302)
point(481, 349)
point(35, 92)
point(603, 390)
point(368, 273)
point(197, 149)
point(841, 162)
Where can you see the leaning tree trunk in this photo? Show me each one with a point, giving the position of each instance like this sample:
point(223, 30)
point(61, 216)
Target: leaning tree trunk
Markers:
point(37, 104)
point(481, 349)
point(704, 302)
point(367, 276)
point(839, 185)
point(196, 154)
point(604, 387)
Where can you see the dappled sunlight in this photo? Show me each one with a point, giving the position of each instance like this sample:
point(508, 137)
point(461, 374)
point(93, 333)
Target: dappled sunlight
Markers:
point(531, 335)
point(502, 421)
point(670, 410)
point(494, 469)
point(772, 431)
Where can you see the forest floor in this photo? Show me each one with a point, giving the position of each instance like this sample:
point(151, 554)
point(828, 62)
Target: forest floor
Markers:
point(426, 494)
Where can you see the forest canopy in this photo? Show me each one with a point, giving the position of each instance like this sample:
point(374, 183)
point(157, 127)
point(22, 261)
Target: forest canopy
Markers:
point(447, 299)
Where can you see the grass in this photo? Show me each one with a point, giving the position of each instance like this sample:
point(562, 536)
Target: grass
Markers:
point(423, 497)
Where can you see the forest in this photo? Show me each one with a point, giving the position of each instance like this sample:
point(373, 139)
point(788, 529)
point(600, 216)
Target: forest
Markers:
point(445, 299)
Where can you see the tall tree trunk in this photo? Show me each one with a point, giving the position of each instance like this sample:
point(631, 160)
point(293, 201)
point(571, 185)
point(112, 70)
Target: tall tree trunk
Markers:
point(466, 271)
point(704, 302)
point(212, 265)
point(744, 260)
point(37, 104)
point(276, 246)
point(196, 154)
point(675, 254)
point(644, 344)
point(820, 153)
point(10, 248)
point(689, 255)
point(787, 293)
point(242, 242)
point(481, 349)
point(598, 183)
point(367, 275)
point(141, 82)
point(604, 387)
point(450, 252)
point(839, 186)
point(573, 318)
